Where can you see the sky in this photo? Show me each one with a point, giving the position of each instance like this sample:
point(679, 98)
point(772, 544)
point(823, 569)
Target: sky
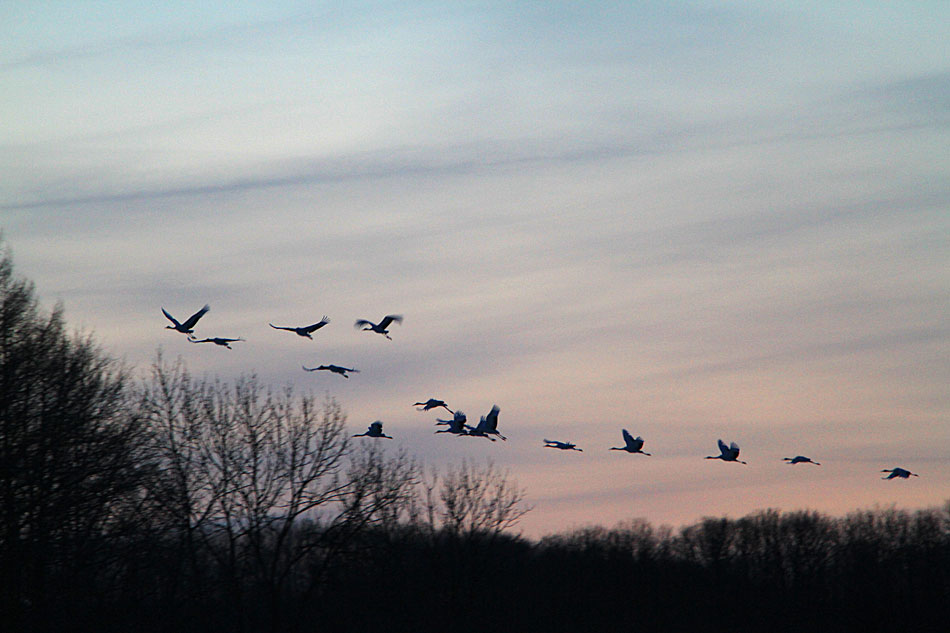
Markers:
point(692, 220)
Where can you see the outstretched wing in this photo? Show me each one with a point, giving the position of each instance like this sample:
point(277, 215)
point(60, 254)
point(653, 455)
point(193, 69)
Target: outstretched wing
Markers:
point(734, 448)
point(316, 326)
point(193, 319)
point(492, 418)
point(628, 439)
point(171, 318)
point(389, 318)
point(637, 443)
point(281, 327)
point(361, 322)
point(723, 448)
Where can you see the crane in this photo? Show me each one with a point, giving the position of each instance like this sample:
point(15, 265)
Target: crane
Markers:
point(727, 453)
point(899, 472)
point(488, 425)
point(801, 459)
point(304, 330)
point(631, 444)
point(217, 340)
point(188, 324)
point(381, 327)
point(336, 369)
point(564, 446)
point(432, 403)
point(456, 424)
point(374, 430)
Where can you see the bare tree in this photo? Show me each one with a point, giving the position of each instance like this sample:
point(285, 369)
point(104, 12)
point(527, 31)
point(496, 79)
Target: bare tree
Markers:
point(261, 483)
point(469, 500)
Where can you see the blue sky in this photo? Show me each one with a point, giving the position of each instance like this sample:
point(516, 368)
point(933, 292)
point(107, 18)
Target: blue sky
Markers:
point(693, 221)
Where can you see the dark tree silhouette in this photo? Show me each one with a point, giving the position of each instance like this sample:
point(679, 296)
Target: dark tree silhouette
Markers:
point(69, 450)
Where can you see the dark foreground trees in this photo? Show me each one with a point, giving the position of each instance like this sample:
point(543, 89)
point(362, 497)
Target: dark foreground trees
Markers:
point(69, 462)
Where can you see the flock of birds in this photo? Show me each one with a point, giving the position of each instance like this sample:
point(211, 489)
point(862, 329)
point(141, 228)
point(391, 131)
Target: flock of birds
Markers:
point(487, 426)
point(187, 327)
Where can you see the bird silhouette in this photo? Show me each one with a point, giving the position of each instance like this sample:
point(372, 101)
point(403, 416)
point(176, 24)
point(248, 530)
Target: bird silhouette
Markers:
point(801, 459)
point(336, 369)
point(432, 403)
point(381, 327)
point(217, 340)
point(564, 446)
point(186, 326)
point(305, 330)
point(631, 444)
point(488, 425)
point(456, 424)
point(374, 430)
point(899, 472)
point(727, 453)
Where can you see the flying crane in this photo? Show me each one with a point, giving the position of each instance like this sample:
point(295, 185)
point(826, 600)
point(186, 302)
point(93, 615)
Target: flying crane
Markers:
point(564, 446)
point(187, 325)
point(432, 403)
point(217, 340)
point(801, 459)
point(336, 369)
point(374, 430)
point(899, 472)
point(305, 330)
point(381, 327)
point(631, 444)
point(456, 425)
point(487, 426)
point(727, 453)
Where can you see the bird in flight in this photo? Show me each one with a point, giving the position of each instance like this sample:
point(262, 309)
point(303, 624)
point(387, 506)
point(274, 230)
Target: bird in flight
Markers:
point(186, 327)
point(456, 424)
point(374, 430)
point(336, 369)
point(217, 340)
point(564, 446)
point(727, 453)
point(305, 330)
point(432, 403)
point(899, 472)
point(488, 425)
point(381, 327)
point(631, 444)
point(801, 459)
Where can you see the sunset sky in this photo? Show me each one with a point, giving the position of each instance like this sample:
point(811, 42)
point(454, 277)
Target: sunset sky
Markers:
point(692, 220)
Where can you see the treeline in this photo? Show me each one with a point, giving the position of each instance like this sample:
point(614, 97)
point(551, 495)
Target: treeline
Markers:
point(183, 504)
